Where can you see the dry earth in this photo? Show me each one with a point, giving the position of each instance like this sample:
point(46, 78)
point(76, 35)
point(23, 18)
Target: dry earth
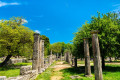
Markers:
point(57, 75)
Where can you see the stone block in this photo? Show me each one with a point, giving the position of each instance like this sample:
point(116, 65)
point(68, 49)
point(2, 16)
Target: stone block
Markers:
point(2, 77)
point(24, 69)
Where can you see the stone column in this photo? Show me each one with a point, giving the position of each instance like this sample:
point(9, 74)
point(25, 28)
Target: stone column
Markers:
point(51, 57)
point(42, 55)
point(97, 58)
point(35, 52)
point(40, 58)
point(87, 58)
point(49, 60)
point(68, 57)
point(61, 56)
point(65, 57)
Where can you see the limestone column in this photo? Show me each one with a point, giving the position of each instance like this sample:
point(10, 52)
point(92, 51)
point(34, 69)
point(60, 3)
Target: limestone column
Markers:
point(97, 58)
point(61, 56)
point(42, 55)
point(49, 60)
point(35, 52)
point(69, 58)
point(87, 58)
point(40, 52)
point(65, 57)
point(51, 57)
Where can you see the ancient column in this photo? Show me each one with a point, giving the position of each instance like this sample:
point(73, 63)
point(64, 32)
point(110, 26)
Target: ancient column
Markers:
point(69, 58)
point(40, 60)
point(35, 52)
point(42, 55)
point(65, 57)
point(96, 54)
point(87, 58)
point(61, 56)
point(49, 60)
point(51, 57)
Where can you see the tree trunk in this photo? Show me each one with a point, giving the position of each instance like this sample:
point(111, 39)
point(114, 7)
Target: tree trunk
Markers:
point(5, 61)
point(103, 62)
point(75, 62)
point(110, 60)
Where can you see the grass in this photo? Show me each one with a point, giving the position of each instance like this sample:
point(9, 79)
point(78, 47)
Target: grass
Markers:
point(83, 62)
point(12, 70)
point(111, 72)
point(47, 74)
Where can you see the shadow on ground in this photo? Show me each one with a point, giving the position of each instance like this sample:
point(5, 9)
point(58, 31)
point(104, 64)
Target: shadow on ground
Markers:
point(81, 69)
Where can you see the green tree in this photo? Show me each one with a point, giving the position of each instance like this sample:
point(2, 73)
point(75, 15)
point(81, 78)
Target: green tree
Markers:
point(15, 39)
point(109, 31)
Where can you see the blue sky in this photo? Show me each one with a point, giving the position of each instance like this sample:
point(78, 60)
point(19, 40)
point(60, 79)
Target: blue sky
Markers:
point(57, 19)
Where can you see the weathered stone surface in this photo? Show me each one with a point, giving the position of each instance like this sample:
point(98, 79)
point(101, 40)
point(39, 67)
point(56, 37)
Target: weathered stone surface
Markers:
point(61, 56)
point(32, 73)
point(49, 59)
point(2, 77)
point(35, 52)
point(14, 61)
point(24, 77)
point(87, 58)
point(24, 69)
point(74, 77)
point(68, 57)
point(96, 54)
point(42, 54)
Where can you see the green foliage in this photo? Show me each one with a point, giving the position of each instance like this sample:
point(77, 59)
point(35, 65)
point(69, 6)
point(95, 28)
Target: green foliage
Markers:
point(15, 39)
point(60, 47)
point(109, 33)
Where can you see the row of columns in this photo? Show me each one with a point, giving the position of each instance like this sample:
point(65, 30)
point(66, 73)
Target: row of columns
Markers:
point(96, 54)
point(38, 62)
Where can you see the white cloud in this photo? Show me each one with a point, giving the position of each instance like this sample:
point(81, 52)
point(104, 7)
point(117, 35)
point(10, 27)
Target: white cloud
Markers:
point(6, 4)
point(117, 8)
point(48, 29)
point(116, 5)
point(24, 21)
point(37, 31)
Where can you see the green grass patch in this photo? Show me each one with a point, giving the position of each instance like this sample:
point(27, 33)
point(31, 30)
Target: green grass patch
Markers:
point(12, 70)
point(111, 72)
point(47, 74)
point(83, 62)
point(23, 64)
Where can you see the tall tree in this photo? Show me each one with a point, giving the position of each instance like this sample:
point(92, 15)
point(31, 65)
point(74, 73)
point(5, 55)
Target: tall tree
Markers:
point(14, 38)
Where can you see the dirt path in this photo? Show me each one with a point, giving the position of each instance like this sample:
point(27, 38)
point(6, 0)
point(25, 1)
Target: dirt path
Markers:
point(57, 75)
